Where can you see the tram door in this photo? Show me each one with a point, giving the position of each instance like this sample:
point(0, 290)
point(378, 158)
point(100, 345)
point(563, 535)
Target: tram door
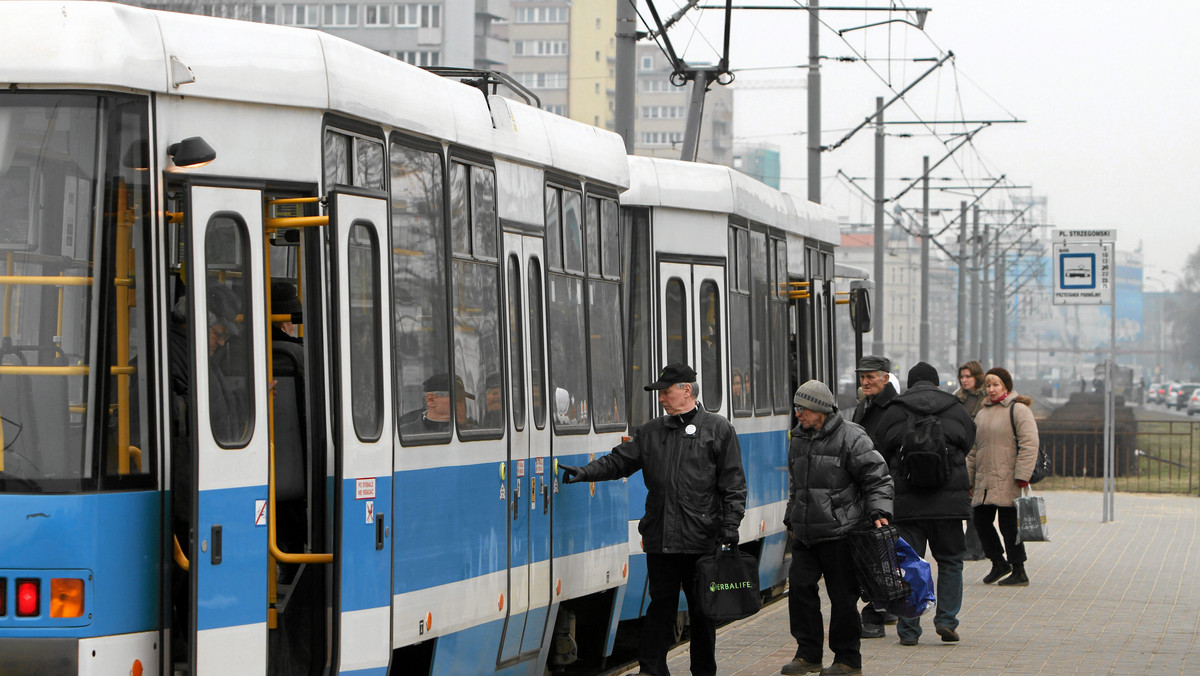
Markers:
point(362, 430)
point(227, 550)
point(529, 467)
point(692, 320)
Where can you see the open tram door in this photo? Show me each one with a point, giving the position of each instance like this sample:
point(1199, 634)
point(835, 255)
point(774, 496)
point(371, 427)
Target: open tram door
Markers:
point(362, 430)
point(529, 467)
point(692, 316)
point(220, 435)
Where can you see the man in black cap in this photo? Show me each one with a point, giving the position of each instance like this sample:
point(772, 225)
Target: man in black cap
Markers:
point(696, 496)
point(436, 419)
point(874, 379)
point(932, 497)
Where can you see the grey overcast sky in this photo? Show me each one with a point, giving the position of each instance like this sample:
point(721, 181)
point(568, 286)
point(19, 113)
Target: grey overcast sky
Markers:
point(1108, 90)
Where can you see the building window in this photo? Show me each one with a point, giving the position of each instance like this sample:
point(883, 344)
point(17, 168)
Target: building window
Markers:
point(542, 15)
point(377, 15)
point(647, 63)
point(300, 15)
point(424, 59)
point(543, 80)
point(556, 108)
point(340, 15)
point(408, 16)
point(431, 16)
point(539, 48)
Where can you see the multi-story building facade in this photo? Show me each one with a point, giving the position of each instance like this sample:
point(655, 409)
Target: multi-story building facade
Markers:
point(428, 33)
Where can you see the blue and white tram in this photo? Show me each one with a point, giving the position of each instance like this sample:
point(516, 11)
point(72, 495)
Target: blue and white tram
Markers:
point(735, 278)
point(294, 336)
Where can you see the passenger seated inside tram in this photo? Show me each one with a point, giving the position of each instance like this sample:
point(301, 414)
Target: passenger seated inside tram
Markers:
point(284, 301)
point(493, 402)
point(436, 418)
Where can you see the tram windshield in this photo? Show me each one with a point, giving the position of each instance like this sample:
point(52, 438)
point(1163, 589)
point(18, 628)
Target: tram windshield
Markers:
point(74, 203)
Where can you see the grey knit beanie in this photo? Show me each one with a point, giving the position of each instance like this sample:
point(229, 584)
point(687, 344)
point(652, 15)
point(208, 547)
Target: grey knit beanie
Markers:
point(815, 396)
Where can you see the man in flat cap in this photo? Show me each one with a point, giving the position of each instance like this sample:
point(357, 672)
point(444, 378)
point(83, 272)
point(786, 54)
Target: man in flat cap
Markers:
point(874, 379)
point(436, 419)
point(686, 452)
point(837, 483)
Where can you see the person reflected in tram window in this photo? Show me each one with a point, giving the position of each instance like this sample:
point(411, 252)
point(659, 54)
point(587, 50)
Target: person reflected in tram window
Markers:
point(493, 402)
point(738, 400)
point(436, 419)
point(284, 301)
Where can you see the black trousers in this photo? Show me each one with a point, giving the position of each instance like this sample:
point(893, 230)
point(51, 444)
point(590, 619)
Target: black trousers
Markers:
point(666, 574)
point(832, 561)
point(984, 516)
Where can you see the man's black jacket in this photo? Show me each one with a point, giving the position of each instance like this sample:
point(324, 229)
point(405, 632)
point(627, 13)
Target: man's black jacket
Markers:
point(868, 413)
point(696, 489)
point(951, 501)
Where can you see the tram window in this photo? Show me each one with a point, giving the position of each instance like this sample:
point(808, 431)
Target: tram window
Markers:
point(460, 226)
point(740, 380)
point(476, 283)
point(366, 395)
point(553, 230)
point(639, 287)
point(610, 241)
point(75, 207)
point(605, 346)
point(675, 321)
point(743, 259)
point(760, 339)
point(516, 345)
point(419, 305)
point(568, 372)
point(710, 348)
point(537, 351)
point(229, 357)
point(572, 233)
point(352, 159)
point(483, 215)
point(592, 234)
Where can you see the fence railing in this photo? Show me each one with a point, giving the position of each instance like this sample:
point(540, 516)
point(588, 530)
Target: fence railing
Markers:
point(1152, 456)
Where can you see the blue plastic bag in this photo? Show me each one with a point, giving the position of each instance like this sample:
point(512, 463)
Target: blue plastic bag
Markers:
point(917, 574)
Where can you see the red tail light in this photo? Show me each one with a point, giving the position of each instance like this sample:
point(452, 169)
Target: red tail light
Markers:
point(27, 598)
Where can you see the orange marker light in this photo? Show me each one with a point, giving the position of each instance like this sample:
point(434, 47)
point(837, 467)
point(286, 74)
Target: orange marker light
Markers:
point(66, 597)
point(428, 621)
point(501, 601)
point(136, 669)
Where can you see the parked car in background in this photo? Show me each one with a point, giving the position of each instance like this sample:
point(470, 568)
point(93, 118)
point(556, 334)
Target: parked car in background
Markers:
point(1166, 392)
point(1152, 393)
point(1182, 395)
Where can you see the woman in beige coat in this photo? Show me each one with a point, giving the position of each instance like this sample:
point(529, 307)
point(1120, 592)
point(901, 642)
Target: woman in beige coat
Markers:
point(999, 466)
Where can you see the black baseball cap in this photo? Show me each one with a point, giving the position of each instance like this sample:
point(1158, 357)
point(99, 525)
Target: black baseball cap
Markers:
point(440, 382)
point(671, 374)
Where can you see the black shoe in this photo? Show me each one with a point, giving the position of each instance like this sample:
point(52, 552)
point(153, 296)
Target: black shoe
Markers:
point(801, 666)
point(1017, 579)
point(999, 570)
point(839, 669)
point(871, 630)
point(889, 618)
point(908, 641)
point(948, 635)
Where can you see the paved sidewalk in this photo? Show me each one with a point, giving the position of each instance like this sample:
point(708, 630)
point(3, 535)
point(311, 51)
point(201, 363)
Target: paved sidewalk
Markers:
point(1116, 598)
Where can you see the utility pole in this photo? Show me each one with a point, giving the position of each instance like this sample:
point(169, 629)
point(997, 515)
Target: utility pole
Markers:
point(924, 347)
point(975, 282)
point(814, 104)
point(626, 72)
point(984, 298)
point(880, 296)
point(1001, 307)
point(961, 342)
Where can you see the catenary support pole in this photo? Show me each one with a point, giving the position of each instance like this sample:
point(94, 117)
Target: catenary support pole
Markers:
point(814, 103)
point(924, 332)
point(960, 344)
point(985, 300)
point(976, 339)
point(626, 73)
point(878, 321)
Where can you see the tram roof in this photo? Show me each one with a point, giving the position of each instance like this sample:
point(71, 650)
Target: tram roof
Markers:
point(102, 44)
point(658, 182)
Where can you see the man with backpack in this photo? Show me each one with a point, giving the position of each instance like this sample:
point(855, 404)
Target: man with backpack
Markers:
point(925, 435)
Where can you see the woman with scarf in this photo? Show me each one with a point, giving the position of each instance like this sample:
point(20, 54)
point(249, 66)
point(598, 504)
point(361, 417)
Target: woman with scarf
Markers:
point(999, 466)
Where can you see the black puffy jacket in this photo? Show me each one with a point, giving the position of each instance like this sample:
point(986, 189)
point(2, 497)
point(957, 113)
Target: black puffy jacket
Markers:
point(951, 501)
point(837, 482)
point(696, 489)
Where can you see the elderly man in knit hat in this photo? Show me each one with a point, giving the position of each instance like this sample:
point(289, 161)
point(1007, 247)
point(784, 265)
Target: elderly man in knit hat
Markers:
point(932, 499)
point(830, 461)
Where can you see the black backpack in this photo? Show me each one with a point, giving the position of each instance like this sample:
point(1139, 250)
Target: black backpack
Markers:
point(924, 459)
